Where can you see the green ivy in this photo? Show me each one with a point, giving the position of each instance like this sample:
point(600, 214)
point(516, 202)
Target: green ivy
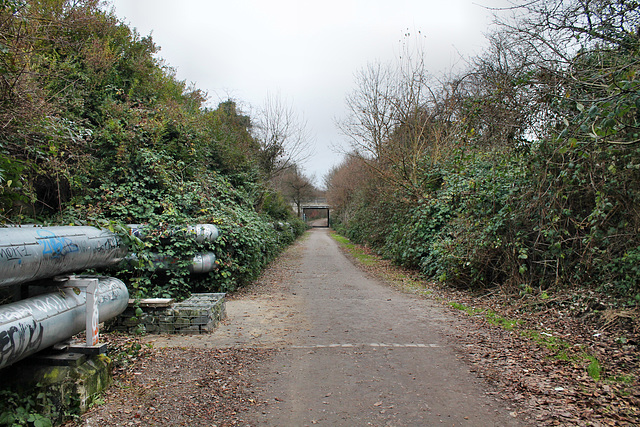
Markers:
point(34, 408)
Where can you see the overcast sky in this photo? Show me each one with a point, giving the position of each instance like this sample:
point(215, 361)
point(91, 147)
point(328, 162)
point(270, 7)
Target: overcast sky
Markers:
point(304, 51)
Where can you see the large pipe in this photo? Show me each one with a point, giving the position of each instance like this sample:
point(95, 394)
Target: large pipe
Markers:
point(201, 233)
point(31, 253)
point(36, 323)
point(203, 263)
point(200, 263)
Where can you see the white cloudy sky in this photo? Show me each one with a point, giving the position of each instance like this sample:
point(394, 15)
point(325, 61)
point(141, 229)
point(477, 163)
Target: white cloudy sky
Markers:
point(304, 51)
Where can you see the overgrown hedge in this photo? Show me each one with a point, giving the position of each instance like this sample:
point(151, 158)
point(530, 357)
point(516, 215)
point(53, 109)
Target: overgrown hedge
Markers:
point(97, 130)
point(528, 222)
point(537, 147)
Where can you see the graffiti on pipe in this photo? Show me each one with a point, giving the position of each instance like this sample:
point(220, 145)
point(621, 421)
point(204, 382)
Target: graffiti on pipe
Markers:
point(18, 339)
point(22, 309)
point(112, 244)
point(12, 253)
point(36, 323)
point(55, 246)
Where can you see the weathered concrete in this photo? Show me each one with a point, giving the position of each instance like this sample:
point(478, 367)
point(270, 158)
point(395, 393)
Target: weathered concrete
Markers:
point(367, 354)
point(69, 380)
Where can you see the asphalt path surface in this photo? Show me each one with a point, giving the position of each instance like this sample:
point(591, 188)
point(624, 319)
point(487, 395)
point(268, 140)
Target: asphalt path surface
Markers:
point(352, 351)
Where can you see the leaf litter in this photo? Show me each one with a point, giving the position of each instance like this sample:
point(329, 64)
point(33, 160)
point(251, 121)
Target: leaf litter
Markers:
point(179, 387)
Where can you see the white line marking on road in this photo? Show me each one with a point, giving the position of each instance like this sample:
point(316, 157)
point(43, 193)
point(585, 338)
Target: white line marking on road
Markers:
point(350, 345)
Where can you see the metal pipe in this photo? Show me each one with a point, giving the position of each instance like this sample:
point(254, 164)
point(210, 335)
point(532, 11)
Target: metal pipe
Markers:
point(36, 323)
point(203, 263)
point(31, 253)
point(200, 263)
point(201, 233)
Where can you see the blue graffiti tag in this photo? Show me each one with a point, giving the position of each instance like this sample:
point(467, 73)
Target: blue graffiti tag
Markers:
point(54, 245)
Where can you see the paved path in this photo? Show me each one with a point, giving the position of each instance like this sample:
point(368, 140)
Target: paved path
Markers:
point(368, 355)
point(353, 352)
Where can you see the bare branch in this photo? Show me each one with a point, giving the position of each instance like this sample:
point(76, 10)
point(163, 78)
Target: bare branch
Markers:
point(283, 137)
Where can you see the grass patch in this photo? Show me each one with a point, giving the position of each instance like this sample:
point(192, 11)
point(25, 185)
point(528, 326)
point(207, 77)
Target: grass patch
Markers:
point(489, 315)
point(562, 351)
point(495, 319)
point(469, 310)
point(356, 251)
point(594, 369)
point(621, 379)
point(555, 344)
point(341, 239)
point(458, 306)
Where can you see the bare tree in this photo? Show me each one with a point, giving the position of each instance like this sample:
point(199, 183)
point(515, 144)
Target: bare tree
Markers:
point(401, 120)
point(371, 112)
point(502, 97)
point(343, 182)
point(585, 56)
point(283, 137)
point(558, 29)
point(296, 187)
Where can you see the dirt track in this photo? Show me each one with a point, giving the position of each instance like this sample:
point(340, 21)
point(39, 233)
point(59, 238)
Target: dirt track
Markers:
point(351, 351)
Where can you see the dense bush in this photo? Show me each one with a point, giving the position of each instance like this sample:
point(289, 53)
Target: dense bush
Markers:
point(97, 130)
point(540, 195)
point(521, 221)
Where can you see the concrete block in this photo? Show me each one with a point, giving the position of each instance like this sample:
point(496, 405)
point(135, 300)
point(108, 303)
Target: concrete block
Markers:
point(70, 387)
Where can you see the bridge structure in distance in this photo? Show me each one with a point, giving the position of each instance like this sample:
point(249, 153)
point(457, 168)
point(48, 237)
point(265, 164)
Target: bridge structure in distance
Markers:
point(316, 213)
